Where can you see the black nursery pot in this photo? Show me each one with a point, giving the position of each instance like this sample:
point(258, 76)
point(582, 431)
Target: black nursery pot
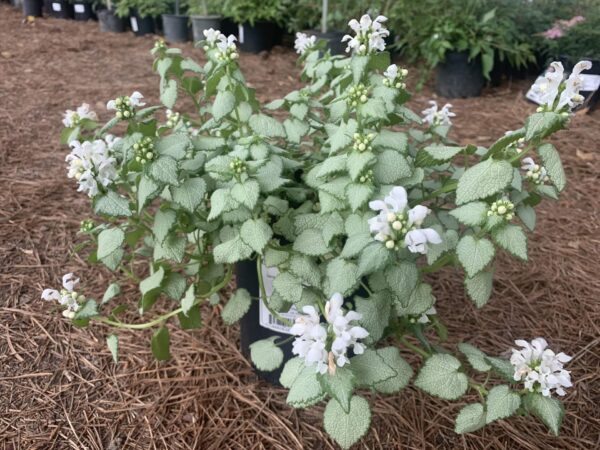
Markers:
point(260, 37)
point(109, 22)
point(17, 3)
point(32, 8)
point(334, 41)
point(142, 26)
point(459, 77)
point(176, 27)
point(251, 329)
point(61, 9)
point(201, 23)
point(83, 11)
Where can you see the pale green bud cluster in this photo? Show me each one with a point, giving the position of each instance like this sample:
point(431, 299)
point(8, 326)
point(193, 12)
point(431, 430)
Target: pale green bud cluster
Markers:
point(502, 208)
point(517, 146)
point(536, 174)
point(144, 150)
point(228, 55)
point(159, 45)
point(357, 94)
point(362, 142)
point(74, 295)
point(238, 166)
point(124, 108)
point(399, 225)
point(172, 118)
point(366, 178)
point(86, 225)
point(398, 82)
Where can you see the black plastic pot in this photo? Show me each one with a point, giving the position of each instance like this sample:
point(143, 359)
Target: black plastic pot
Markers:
point(61, 9)
point(250, 328)
point(592, 98)
point(201, 23)
point(334, 41)
point(83, 11)
point(32, 8)
point(176, 27)
point(459, 77)
point(142, 26)
point(109, 22)
point(260, 37)
point(17, 3)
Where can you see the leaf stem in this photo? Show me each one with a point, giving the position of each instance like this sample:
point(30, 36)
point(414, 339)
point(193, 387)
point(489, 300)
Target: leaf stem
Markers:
point(413, 347)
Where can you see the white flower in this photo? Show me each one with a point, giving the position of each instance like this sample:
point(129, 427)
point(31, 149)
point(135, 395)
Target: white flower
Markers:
point(540, 368)
point(394, 77)
point(111, 141)
point(136, 99)
point(534, 172)
point(370, 35)
point(91, 165)
point(570, 95)
point(311, 343)
point(550, 86)
point(303, 42)
point(74, 118)
point(434, 117)
point(391, 72)
point(67, 296)
point(394, 224)
point(212, 36)
point(226, 47)
point(424, 318)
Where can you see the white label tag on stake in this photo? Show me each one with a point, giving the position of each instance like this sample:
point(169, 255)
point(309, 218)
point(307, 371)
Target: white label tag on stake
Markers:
point(266, 319)
point(589, 83)
point(56, 7)
point(534, 95)
point(79, 8)
point(134, 24)
point(241, 33)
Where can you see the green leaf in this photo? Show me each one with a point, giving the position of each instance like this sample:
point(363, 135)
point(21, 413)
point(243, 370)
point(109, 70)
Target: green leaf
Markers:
point(470, 418)
point(347, 428)
point(391, 139)
point(168, 93)
point(374, 257)
point(332, 165)
point(295, 129)
point(164, 169)
point(340, 137)
point(358, 65)
point(112, 291)
point(246, 193)
point(147, 190)
point(476, 357)
point(256, 233)
point(288, 286)
point(112, 342)
point(482, 180)
point(502, 367)
point(472, 214)
point(160, 344)
point(290, 372)
point(391, 166)
point(112, 205)
point(193, 319)
point(479, 287)
point(342, 277)
point(232, 251)
point(359, 194)
point(501, 403)
point(237, 306)
point(391, 356)
point(440, 376)
point(371, 368)
point(310, 242)
point(223, 105)
point(402, 280)
point(109, 240)
point(174, 285)
point(527, 215)
point(512, 239)
point(88, 310)
point(173, 248)
point(113, 260)
point(305, 390)
point(553, 165)
point(375, 312)
point(339, 386)
point(357, 162)
point(188, 301)
point(540, 125)
point(306, 268)
point(435, 155)
point(420, 300)
point(265, 355)
point(164, 221)
point(474, 254)
point(190, 194)
point(549, 410)
point(264, 125)
point(173, 145)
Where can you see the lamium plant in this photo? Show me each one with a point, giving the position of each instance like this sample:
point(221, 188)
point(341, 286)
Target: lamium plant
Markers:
point(352, 201)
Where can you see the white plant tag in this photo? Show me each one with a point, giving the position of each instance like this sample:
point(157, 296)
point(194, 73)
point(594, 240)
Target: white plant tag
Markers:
point(534, 95)
point(266, 319)
point(241, 33)
point(79, 8)
point(590, 83)
point(56, 7)
point(134, 24)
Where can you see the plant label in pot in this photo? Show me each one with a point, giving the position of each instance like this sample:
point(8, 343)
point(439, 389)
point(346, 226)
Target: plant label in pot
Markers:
point(134, 24)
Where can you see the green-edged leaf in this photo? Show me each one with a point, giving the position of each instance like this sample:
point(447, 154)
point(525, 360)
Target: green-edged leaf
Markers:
point(476, 357)
point(265, 125)
point(359, 194)
point(391, 166)
point(237, 306)
point(502, 367)
point(112, 205)
point(440, 376)
point(109, 240)
point(147, 190)
point(223, 105)
point(164, 221)
point(553, 165)
point(112, 291)
point(310, 242)
point(168, 93)
point(472, 214)
point(370, 369)
point(375, 312)
point(482, 180)
point(402, 280)
point(160, 344)
point(420, 300)
point(470, 418)
point(479, 287)
point(549, 410)
point(256, 233)
point(342, 277)
point(188, 300)
point(434, 155)
point(347, 428)
point(391, 356)
point(512, 239)
point(290, 372)
point(87, 311)
point(164, 169)
point(265, 355)
point(374, 257)
point(190, 194)
point(246, 193)
point(339, 386)
point(540, 125)
point(527, 215)
point(305, 390)
point(231, 251)
point(474, 254)
point(112, 342)
point(501, 403)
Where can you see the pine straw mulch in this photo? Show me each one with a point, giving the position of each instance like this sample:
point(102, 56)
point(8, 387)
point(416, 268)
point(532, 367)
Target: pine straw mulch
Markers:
point(59, 388)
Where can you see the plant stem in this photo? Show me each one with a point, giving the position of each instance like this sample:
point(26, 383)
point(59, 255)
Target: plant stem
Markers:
point(414, 348)
point(443, 261)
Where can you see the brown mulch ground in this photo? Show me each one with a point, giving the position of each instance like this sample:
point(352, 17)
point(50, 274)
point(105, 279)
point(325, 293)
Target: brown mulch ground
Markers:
point(59, 388)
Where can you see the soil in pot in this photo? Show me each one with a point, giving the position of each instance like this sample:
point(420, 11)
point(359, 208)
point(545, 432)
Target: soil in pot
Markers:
point(109, 22)
point(83, 11)
point(176, 28)
point(334, 41)
point(61, 9)
point(32, 8)
point(201, 23)
point(260, 37)
point(457, 77)
point(142, 25)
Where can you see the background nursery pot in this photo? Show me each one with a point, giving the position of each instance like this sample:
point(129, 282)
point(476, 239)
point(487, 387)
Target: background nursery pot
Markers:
point(83, 11)
point(201, 23)
point(262, 36)
point(109, 22)
point(334, 41)
point(142, 25)
point(61, 9)
point(176, 27)
point(32, 8)
point(459, 77)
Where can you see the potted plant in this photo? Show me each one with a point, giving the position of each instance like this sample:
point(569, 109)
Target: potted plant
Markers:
point(109, 20)
point(83, 10)
point(257, 22)
point(61, 9)
point(176, 27)
point(32, 7)
point(340, 213)
point(205, 15)
point(142, 14)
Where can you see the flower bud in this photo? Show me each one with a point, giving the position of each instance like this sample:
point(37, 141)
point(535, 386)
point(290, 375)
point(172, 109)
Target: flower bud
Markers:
point(390, 244)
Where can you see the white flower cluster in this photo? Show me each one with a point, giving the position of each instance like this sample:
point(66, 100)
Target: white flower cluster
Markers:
point(312, 340)
point(73, 118)
point(540, 368)
point(394, 224)
point(304, 42)
point(394, 77)
point(67, 296)
point(91, 164)
point(125, 106)
point(550, 87)
point(225, 45)
point(534, 172)
point(370, 35)
point(434, 117)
